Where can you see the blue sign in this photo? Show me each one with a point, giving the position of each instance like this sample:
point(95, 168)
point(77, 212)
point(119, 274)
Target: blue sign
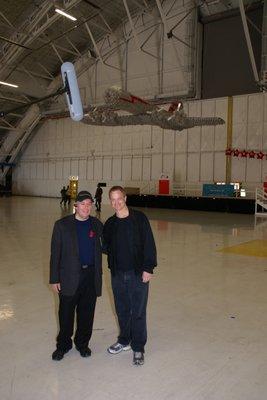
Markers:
point(211, 190)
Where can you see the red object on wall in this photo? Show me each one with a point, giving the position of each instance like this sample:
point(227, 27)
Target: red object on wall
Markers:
point(164, 186)
point(265, 187)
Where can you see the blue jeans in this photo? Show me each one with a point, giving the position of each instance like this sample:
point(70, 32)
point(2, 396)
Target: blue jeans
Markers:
point(130, 297)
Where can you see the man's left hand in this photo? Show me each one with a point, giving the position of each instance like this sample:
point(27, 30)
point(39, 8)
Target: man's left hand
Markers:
point(146, 277)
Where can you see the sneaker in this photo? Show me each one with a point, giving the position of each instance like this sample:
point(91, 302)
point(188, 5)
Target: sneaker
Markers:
point(138, 358)
point(118, 347)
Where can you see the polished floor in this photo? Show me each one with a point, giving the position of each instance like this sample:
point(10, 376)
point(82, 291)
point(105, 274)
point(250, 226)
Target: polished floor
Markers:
point(207, 313)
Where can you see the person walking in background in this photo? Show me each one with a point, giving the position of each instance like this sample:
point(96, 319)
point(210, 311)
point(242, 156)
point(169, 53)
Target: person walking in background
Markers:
point(131, 250)
point(98, 197)
point(63, 193)
point(76, 274)
point(68, 196)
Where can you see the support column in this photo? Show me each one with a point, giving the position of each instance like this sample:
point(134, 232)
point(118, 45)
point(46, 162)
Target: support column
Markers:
point(228, 170)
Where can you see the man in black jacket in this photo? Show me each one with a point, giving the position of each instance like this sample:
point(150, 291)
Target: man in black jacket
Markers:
point(131, 254)
point(76, 274)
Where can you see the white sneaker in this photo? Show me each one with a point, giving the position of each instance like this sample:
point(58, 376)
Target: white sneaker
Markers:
point(118, 347)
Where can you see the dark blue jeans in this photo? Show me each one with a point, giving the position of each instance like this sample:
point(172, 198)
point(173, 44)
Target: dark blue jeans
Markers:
point(130, 297)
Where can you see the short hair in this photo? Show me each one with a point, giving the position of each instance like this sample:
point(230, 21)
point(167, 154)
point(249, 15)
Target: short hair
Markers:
point(115, 189)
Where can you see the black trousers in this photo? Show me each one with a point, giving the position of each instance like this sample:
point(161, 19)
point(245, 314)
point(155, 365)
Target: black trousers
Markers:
point(83, 302)
point(130, 297)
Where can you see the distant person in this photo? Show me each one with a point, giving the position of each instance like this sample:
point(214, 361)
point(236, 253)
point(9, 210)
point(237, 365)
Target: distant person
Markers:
point(63, 193)
point(76, 274)
point(98, 197)
point(68, 196)
point(131, 251)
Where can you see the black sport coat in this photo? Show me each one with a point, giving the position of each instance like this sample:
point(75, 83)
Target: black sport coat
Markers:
point(65, 266)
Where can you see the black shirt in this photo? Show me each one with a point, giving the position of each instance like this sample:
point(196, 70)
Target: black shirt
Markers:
point(124, 253)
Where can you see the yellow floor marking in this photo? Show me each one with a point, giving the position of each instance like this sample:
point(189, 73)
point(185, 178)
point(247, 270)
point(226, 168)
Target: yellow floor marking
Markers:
point(256, 248)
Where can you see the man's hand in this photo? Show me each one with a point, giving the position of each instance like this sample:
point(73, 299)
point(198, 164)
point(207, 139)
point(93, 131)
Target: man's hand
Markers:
point(56, 287)
point(146, 277)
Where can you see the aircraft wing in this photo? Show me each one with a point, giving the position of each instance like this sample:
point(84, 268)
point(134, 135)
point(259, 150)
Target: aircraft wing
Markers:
point(125, 101)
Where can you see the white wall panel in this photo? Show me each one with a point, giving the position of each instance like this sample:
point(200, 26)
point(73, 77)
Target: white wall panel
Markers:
point(220, 140)
point(157, 138)
point(52, 170)
point(107, 144)
point(137, 142)
point(82, 168)
point(46, 170)
point(219, 167)
point(98, 168)
point(180, 167)
point(146, 169)
point(157, 166)
point(74, 167)
point(59, 169)
point(207, 138)
point(194, 136)
point(136, 168)
point(126, 168)
point(239, 136)
point(116, 168)
point(90, 169)
point(107, 165)
point(181, 141)
point(66, 169)
point(126, 143)
point(168, 141)
point(193, 167)
point(168, 165)
point(240, 109)
point(253, 171)
point(116, 143)
point(255, 131)
point(40, 170)
point(238, 169)
point(33, 170)
point(206, 167)
point(255, 108)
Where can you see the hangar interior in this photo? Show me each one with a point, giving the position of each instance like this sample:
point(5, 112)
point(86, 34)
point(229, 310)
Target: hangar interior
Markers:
point(207, 319)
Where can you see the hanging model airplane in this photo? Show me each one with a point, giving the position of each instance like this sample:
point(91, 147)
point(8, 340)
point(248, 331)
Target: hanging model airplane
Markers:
point(142, 112)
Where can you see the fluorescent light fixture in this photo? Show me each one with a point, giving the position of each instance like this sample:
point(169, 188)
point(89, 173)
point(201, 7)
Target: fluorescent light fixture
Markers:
point(8, 84)
point(65, 14)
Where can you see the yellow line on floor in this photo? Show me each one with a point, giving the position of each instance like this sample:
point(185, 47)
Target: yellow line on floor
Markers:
point(257, 248)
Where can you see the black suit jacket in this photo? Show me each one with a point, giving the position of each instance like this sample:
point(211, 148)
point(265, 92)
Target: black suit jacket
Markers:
point(65, 266)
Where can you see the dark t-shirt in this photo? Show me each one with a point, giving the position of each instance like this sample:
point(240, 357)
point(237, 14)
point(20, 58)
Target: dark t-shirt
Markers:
point(86, 241)
point(125, 261)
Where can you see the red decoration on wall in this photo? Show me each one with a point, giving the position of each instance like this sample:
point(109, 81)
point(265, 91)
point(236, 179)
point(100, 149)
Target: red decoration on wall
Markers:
point(228, 152)
point(246, 153)
point(236, 153)
point(260, 155)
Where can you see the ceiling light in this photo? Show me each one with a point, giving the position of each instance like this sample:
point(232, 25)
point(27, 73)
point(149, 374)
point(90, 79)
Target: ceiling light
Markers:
point(8, 84)
point(65, 14)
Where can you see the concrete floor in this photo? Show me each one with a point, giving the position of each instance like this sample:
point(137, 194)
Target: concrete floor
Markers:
point(207, 319)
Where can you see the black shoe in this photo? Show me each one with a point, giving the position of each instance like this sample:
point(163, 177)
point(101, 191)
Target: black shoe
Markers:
point(86, 352)
point(138, 358)
point(58, 354)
